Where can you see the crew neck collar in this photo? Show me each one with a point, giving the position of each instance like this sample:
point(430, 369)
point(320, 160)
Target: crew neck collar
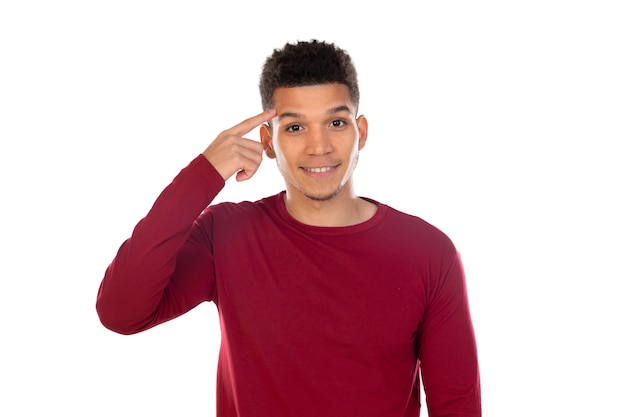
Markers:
point(329, 230)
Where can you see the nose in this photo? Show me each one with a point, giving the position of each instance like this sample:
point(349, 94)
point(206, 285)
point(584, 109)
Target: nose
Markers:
point(318, 142)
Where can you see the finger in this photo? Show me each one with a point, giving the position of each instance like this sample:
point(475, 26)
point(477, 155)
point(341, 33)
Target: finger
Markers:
point(252, 122)
point(249, 166)
point(244, 175)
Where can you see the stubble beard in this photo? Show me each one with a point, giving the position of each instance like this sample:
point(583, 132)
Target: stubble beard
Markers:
point(323, 197)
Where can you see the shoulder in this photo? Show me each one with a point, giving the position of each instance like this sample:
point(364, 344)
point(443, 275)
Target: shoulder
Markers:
point(415, 231)
point(240, 212)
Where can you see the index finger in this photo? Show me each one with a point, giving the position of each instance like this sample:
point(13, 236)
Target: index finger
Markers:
point(252, 122)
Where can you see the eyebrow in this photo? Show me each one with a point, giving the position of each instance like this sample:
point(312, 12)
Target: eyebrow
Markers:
point(296, 115)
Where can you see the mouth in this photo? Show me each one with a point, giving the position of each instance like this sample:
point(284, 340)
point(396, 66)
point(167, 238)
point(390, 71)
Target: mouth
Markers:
point(319, 170)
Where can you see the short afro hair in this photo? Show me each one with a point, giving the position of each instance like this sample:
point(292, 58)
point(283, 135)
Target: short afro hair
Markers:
point(307, 63)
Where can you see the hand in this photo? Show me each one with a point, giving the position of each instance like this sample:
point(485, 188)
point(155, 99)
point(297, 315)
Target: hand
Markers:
point(231, 153)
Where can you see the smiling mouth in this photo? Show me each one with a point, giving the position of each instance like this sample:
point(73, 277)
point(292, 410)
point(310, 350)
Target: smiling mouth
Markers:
point(319, 170)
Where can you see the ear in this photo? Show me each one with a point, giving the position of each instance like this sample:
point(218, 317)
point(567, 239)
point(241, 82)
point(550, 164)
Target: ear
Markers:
point(265, 132)
point(361, 123)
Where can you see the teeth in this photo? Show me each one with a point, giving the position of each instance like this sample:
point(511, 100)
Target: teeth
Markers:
point(318, 170)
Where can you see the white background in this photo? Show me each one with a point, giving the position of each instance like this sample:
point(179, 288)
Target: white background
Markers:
point(502, 123)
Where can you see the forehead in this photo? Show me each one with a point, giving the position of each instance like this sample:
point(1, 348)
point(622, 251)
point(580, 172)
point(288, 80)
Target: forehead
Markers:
point(312, 99)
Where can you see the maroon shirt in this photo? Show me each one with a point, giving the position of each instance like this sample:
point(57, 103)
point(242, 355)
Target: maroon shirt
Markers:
point(315, 321)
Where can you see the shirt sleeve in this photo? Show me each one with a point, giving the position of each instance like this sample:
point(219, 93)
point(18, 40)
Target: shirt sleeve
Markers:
point(447, 348)
point(165, 268)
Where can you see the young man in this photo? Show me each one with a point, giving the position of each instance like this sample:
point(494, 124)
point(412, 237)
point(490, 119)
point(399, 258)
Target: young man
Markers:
point(329, 303)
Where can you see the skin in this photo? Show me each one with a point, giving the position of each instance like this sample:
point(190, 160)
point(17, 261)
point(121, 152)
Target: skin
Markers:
point(315, 137)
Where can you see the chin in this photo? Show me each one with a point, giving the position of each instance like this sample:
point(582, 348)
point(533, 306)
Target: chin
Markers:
point(322, 196)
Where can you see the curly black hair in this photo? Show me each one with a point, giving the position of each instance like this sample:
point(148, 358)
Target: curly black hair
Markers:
point(307, 63)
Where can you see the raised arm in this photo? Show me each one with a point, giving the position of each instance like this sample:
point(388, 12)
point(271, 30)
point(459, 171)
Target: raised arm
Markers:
point(165, 268)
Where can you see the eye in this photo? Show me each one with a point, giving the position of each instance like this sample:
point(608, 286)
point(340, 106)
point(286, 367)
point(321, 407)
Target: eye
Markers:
point(293, 128)
point(338, 123)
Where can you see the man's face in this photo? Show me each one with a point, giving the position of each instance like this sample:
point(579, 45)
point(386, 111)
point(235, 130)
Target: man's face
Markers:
point(315, 138)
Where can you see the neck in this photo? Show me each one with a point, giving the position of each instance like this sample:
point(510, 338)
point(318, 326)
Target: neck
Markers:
point(344, 209)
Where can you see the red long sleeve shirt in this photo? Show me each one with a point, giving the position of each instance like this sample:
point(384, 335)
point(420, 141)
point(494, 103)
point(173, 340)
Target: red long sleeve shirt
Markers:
point(315, 321)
